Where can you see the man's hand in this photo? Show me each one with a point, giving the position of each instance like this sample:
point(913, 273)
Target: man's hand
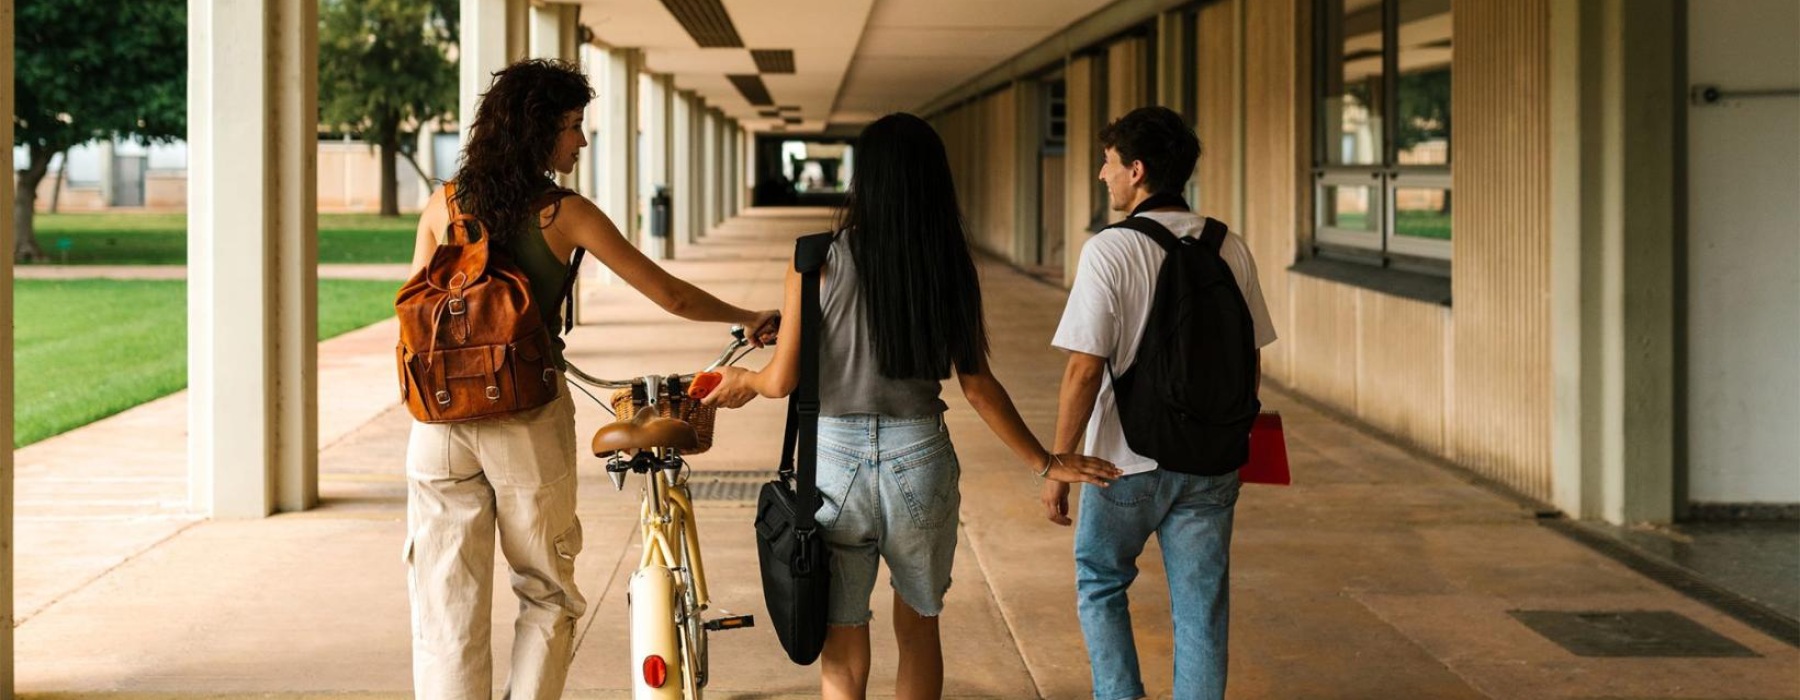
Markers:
point(762, 330)
point(1055, 496)
point(734, 389)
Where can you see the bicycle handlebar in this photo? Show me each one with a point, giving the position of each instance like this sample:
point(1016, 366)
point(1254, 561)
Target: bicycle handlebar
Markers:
point(729, 357)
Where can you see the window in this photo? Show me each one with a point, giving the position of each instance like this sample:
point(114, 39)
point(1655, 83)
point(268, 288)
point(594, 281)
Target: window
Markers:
point(1381, 153)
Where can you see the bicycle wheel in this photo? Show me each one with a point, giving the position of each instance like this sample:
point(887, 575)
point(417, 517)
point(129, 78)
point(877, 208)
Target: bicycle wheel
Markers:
point(692, 626)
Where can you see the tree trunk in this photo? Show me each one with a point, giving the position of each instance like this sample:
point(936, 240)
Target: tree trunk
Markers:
point(25, 247)
point(389, 134)
point(62, 176)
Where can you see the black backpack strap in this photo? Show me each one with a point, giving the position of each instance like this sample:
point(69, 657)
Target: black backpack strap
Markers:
point(802, 438)
point(1149, 227)
point(1212, 235)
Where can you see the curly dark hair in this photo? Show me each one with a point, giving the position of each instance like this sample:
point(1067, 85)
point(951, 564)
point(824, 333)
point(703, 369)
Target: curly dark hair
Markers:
point(512, 139)
point(1161, 139)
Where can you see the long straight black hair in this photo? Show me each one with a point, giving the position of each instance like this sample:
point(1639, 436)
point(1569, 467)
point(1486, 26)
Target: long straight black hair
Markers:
point(921, 294)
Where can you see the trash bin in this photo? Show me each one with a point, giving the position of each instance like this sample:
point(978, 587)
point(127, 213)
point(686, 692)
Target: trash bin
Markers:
point(659, 213)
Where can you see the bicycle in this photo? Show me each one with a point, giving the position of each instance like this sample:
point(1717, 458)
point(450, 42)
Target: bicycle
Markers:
point(667, 593)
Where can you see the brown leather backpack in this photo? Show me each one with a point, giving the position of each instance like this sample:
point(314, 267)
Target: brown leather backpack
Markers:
point(472, 342)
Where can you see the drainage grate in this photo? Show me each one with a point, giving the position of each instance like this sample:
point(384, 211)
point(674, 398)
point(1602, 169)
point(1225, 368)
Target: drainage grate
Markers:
point(1747, 611)
point(1630, 633)
point(726, 485)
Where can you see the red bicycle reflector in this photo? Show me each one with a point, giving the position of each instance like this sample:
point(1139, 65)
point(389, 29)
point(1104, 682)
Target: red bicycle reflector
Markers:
point(656, 671)
point(703, 384)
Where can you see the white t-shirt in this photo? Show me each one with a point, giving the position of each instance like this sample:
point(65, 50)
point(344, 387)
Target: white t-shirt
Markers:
point(1110, 303)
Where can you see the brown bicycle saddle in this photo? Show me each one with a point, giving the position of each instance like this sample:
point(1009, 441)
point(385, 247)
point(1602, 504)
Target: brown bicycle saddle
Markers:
point(644, 431)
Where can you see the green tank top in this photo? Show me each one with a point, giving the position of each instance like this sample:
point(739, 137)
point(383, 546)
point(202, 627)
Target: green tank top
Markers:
point(532, 254)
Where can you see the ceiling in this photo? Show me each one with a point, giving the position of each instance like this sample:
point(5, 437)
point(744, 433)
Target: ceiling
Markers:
point(852, 60)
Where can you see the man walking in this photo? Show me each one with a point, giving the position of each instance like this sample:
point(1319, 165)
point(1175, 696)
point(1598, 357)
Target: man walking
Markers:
point(1180, 481)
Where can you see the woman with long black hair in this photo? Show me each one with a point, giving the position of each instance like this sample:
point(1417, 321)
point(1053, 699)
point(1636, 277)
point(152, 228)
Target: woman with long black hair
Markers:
point(902, 309)
point(516, 473)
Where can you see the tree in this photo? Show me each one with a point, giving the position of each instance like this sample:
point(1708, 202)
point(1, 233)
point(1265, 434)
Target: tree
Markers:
point(385, 68)
point(92, 69)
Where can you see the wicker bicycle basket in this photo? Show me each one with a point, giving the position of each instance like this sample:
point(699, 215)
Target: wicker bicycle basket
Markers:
point(696, 414)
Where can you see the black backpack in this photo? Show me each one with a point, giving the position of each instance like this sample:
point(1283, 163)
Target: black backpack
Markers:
point(1189, 398)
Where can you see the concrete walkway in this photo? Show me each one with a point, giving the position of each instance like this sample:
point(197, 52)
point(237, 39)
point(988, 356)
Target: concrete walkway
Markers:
point(1377, 576)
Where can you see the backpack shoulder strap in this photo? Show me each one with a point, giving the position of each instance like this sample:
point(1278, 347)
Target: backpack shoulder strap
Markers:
point(1212, 235)
point(1149, 227)
point(799, 451)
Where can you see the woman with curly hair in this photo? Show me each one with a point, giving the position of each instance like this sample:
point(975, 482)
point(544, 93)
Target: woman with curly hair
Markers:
point(516, 473)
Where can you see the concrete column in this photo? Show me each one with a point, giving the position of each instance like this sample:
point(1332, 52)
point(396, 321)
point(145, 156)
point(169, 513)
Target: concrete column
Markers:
point(709, 171)
point(619, 144)
point(696, 130)
point(6, 357)
point(252, 256)
point(1613, 223)
point(494, 34)
point(655, 157)
point(681, 166)
point(728, 168)
point(716, 169)
point(595, 63)
point(553, 35)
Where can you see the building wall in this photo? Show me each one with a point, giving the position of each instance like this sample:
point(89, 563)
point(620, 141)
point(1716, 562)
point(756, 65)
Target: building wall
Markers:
point(1469, 381)
point(1500, 168)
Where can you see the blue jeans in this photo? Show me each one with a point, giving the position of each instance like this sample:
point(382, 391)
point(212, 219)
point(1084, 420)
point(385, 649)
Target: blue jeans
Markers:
point(889, 492)
point(1191, 517)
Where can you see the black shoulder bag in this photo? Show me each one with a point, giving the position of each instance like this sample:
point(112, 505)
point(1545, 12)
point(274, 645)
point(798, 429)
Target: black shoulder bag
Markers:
point(796, 565)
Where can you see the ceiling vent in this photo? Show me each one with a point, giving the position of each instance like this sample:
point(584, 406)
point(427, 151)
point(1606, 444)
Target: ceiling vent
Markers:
point(773, 60)
point(707, 22)
point(753, 89)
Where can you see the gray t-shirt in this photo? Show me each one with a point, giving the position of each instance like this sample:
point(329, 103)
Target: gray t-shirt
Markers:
point(850, 380)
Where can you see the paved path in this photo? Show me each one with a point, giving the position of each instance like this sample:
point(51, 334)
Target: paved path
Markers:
point(1378, 576)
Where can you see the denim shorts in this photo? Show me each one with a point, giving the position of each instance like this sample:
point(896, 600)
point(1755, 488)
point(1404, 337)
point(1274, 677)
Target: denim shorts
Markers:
point(889, 492)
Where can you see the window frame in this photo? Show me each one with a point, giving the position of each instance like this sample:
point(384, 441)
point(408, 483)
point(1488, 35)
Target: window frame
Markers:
point(1385, 246)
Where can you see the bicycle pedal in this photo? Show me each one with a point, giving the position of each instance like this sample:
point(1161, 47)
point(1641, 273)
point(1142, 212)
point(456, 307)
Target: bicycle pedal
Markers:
point(733, 622)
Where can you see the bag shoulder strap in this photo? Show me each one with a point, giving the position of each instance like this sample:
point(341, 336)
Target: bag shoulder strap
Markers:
point(1212, 235)
point(474, 261)
point(1149, 227)
point(803, 406)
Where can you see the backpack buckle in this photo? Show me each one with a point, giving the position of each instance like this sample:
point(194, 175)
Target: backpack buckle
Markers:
point(493, 393)
point(549, 376)
point(457, 306)
point(443, 397)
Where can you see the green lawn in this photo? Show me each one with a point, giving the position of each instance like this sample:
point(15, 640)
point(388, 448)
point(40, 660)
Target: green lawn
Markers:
point(86, 349)
point(1418, 224)
point(161, 239)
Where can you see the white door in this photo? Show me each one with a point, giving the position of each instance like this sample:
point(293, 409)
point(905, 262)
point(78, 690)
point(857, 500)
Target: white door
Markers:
point(1744, 253)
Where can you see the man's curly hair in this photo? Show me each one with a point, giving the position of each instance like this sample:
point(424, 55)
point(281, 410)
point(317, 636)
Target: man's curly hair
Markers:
point(1162, 140)
point(512, 139)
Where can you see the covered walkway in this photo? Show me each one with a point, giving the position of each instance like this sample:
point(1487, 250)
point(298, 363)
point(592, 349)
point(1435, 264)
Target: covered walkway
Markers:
point(1378, 575)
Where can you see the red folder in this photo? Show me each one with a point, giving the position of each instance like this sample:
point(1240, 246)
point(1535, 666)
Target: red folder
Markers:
point(1268, 453)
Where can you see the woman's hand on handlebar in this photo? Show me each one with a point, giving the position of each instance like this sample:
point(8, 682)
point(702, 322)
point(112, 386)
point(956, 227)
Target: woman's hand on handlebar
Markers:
point(763, 328)
point(734, 389)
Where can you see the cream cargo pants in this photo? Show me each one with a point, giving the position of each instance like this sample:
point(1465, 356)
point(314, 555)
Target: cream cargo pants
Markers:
point(514, 475)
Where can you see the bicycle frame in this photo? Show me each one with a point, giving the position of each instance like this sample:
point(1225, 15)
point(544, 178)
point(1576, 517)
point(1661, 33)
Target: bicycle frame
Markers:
point(667, 592)
point(659, 598)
